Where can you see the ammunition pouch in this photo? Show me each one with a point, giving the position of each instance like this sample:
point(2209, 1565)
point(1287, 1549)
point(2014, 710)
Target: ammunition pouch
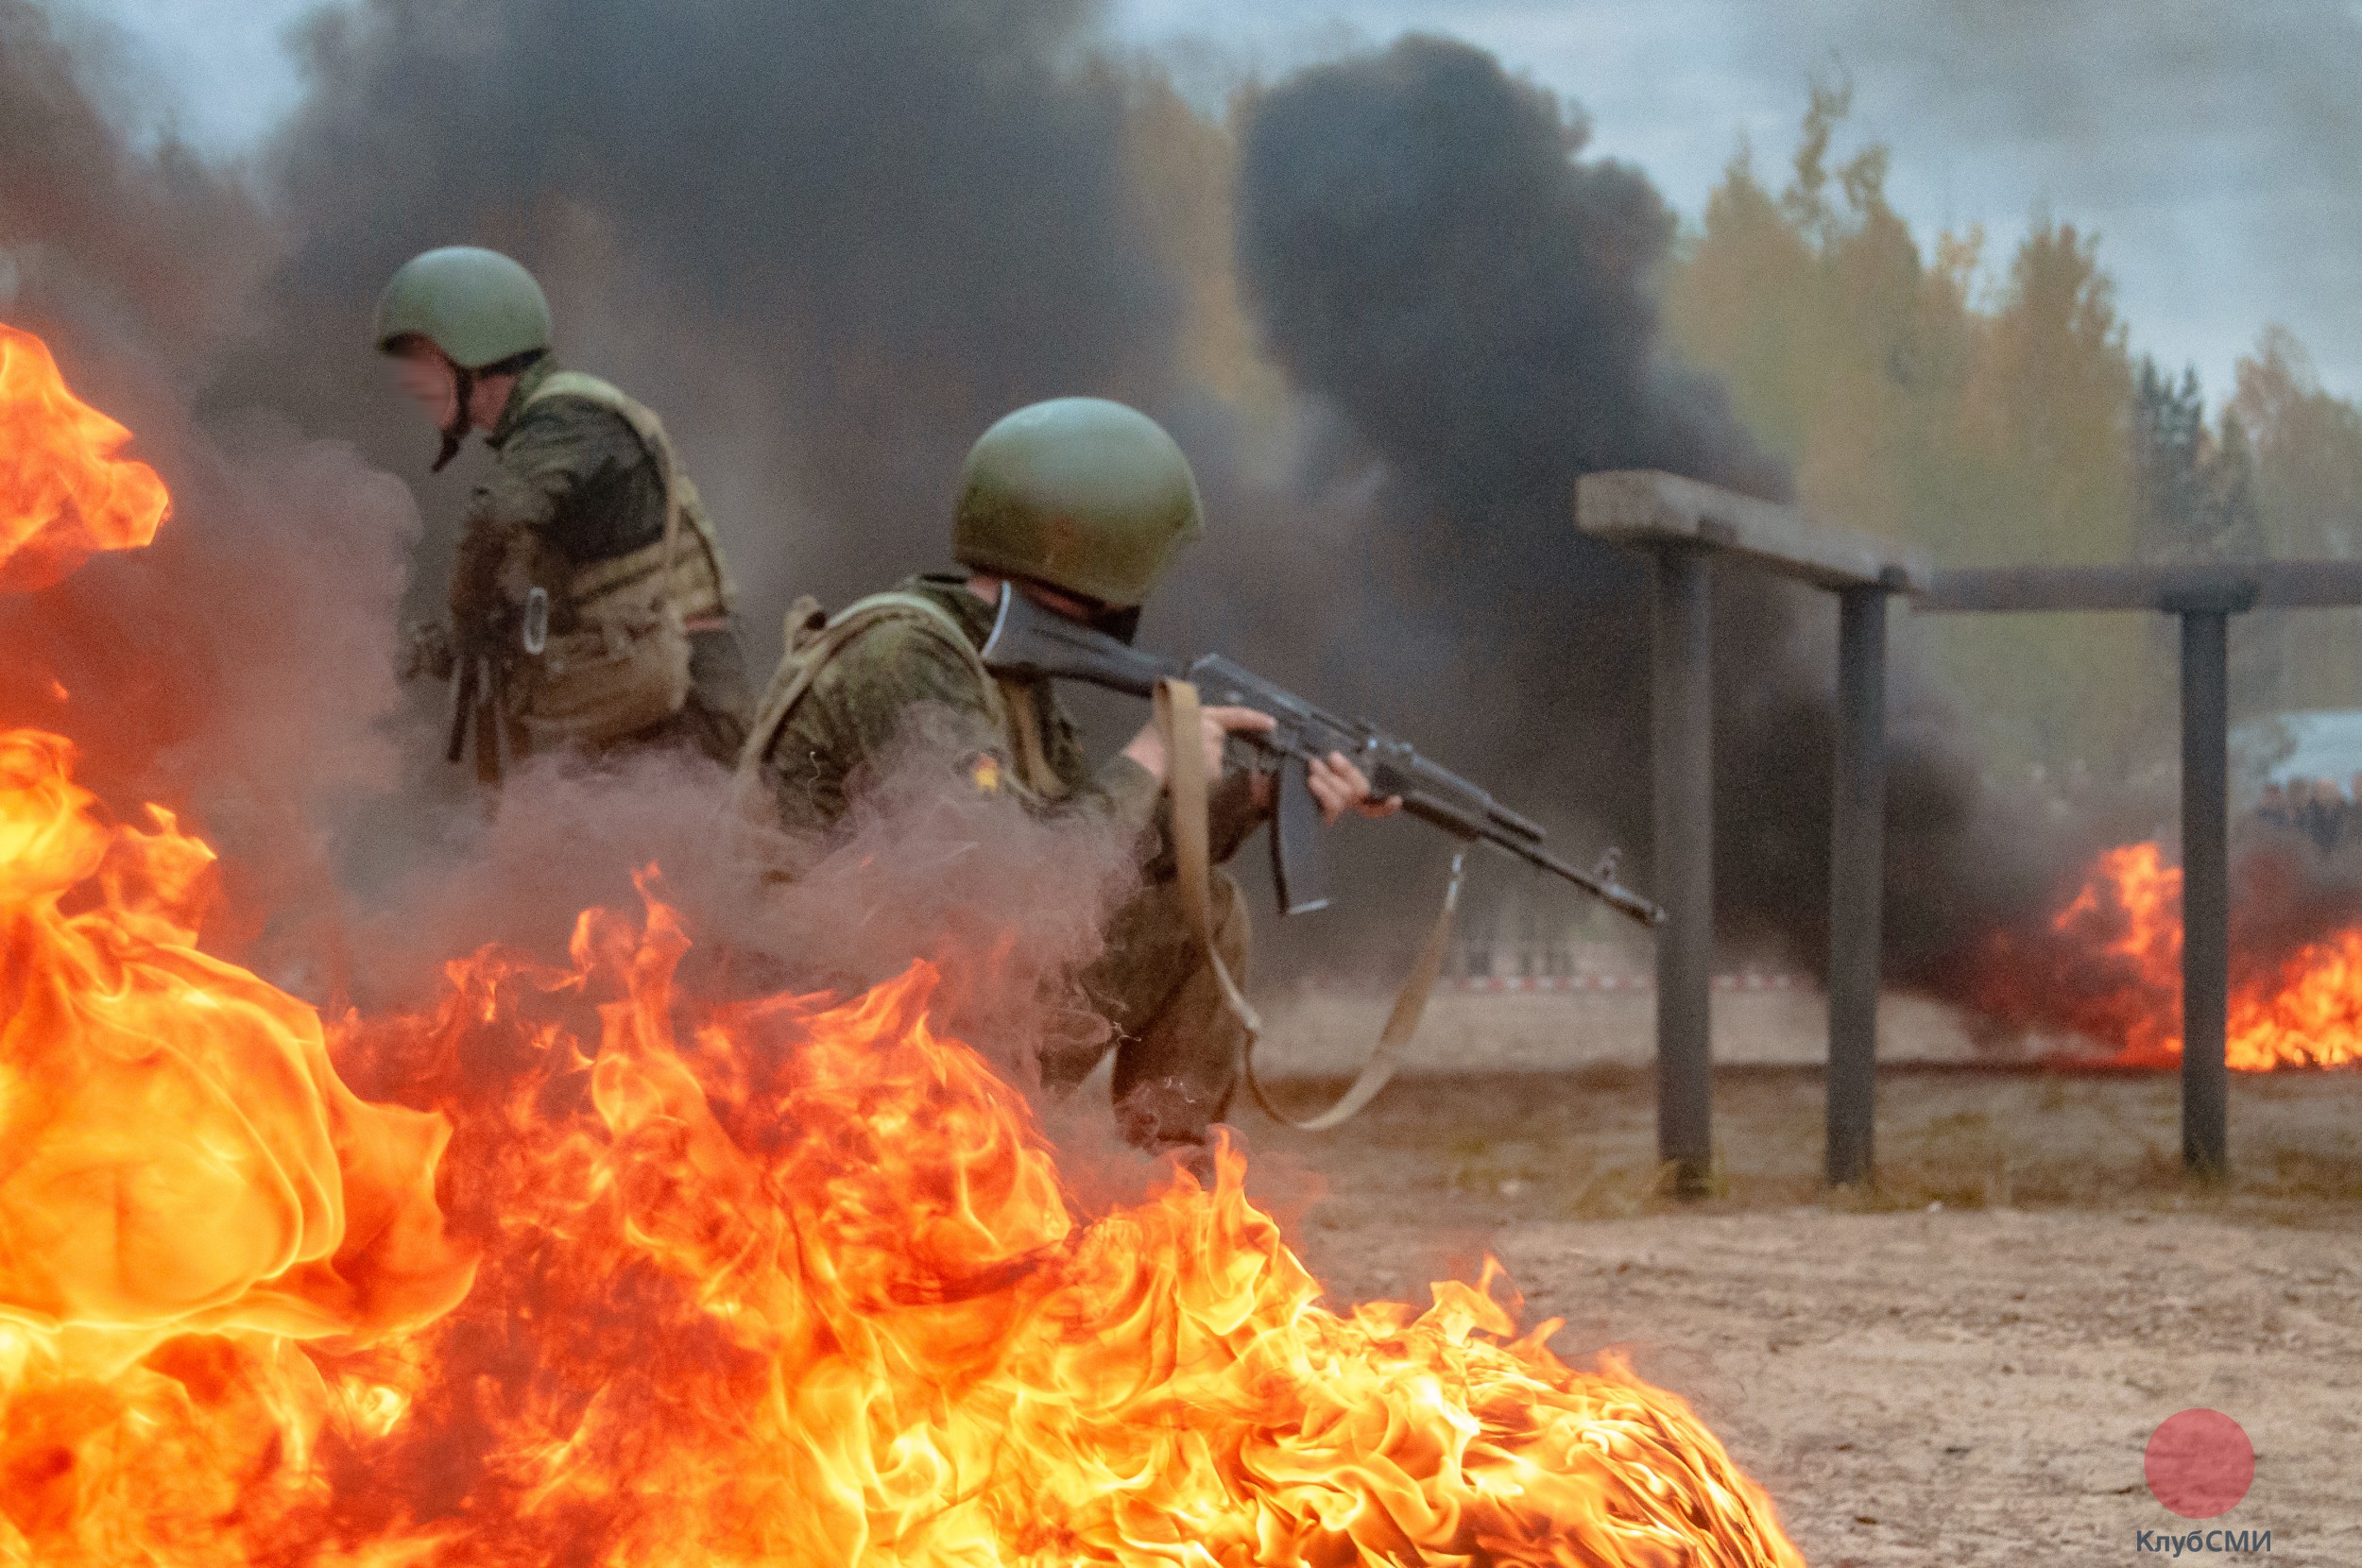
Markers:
point(611, 679)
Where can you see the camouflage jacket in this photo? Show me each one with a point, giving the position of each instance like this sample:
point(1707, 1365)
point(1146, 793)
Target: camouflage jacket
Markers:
point(574, 484)
point(859, 704)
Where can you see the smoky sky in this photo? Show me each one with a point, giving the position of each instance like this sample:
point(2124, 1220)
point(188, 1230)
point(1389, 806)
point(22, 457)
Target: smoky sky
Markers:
point(146, 253)
point(239, 670)
point(831, 243)
point(1421, 244)
point(2208, 143)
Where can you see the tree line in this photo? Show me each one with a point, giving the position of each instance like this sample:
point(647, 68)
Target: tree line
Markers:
point(2000, 415)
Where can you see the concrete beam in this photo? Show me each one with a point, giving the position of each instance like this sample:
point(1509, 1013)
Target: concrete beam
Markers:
point(1640, 507)
point(2228, 587)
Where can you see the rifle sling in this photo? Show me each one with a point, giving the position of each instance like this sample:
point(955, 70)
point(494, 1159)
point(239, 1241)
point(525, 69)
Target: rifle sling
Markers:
point(1177, 720)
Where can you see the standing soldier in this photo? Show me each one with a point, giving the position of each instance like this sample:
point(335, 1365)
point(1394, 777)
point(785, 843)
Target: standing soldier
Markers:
point(1080, 504)
point(590, 605)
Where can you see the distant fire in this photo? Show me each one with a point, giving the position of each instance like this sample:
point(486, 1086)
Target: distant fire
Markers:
point(63, 493)
point(642, 1278)
point(2109, 968)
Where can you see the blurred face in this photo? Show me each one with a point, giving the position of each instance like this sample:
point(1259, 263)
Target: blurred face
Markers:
point(427, 379)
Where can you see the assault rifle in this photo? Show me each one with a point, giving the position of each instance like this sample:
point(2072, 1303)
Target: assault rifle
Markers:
point(1029, 640)
point(476, 659)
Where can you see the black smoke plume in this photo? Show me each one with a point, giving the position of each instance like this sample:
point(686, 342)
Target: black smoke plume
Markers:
point(1426, 248)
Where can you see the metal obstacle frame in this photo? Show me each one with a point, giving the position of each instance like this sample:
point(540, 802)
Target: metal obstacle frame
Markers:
point(1683, 524)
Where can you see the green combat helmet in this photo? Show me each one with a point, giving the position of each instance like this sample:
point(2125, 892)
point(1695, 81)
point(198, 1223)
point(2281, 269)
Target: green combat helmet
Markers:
point(1080, 493)
point(480, 308)
point(477, 305)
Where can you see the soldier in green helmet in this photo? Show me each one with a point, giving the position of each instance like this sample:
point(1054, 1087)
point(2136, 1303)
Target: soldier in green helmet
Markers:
point(589, 604)
point(1080, 504)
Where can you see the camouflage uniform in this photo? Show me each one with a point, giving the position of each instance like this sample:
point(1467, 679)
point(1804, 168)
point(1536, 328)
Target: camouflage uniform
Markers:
point(1177, 1047)
point(575, 485)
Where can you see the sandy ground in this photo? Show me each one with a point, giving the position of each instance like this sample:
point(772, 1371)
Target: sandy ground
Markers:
point(1313, 1032)
point(1962, 1367)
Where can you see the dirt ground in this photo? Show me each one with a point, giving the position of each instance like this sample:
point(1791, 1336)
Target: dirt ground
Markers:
point(1317, 1032)
point(1959, 1368)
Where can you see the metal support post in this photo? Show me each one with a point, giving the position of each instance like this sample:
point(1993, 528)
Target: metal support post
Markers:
point(1681, 716)
point(1857, 841)
point(2205, 890)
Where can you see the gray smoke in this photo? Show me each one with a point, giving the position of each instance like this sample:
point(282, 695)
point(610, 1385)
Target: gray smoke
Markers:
point(239, 670)
point(144, 254)
point(1005, 904)
point(832, 243)
point(829, 242)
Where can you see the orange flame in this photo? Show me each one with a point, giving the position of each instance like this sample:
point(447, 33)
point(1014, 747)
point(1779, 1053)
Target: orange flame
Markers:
point(64, 494)
point(2306, 1013)
point(2111, 971)
point(784, 1280)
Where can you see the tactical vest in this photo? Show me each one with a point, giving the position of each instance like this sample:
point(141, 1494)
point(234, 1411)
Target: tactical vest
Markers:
point(622, 664)
point(813, 638)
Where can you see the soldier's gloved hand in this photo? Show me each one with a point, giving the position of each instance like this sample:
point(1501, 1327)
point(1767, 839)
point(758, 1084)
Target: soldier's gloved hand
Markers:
point(428, 652)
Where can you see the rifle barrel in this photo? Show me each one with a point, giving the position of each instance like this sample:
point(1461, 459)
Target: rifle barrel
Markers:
point(1623, 899)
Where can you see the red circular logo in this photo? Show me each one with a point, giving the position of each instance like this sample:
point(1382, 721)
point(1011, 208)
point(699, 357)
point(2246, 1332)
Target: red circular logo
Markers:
point(2200, 1463)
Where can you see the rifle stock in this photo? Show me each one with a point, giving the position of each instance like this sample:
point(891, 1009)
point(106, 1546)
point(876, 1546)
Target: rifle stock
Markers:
point(1029, 640)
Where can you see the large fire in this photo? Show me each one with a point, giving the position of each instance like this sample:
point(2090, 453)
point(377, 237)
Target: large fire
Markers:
point(63, 493)
point(2110, 969)
point(644, 1279)
point(792, 1280)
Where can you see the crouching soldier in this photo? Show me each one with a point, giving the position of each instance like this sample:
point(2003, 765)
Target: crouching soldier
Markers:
point(1080, 504)
point(590, 605)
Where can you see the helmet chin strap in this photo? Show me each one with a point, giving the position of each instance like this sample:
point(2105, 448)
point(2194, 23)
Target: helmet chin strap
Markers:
point(456, 431)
